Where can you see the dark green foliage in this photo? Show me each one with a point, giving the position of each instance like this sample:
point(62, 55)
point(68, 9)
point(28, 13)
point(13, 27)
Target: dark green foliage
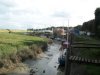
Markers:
point(89, 26)
point(79, 27)
point(97, 22)
point(93, 26)
point(97, 15)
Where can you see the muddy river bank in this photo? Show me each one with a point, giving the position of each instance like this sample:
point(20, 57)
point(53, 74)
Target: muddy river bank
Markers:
point(46, 64)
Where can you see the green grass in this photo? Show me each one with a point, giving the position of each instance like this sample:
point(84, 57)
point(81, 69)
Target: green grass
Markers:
point(90, 53)
point(11, 43)
point(13, 30)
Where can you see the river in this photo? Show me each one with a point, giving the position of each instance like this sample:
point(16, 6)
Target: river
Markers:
point(46, 65)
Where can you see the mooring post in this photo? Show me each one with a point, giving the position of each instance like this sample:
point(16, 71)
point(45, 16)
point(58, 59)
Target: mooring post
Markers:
point(68, 54)
point(67, 62)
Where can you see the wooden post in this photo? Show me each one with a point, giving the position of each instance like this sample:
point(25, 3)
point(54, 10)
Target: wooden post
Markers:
point(67, 61)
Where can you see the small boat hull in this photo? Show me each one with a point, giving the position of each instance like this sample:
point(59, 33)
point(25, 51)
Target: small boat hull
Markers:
point(61, 60)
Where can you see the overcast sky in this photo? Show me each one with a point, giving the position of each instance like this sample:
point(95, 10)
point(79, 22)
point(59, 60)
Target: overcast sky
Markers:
point(23, 14)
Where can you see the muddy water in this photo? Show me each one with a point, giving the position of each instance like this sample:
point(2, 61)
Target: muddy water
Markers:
point(47, 65)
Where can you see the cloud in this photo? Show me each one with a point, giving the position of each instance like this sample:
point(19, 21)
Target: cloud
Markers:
point(7, 3)
point(44, 13)
point(3, 9)
point(6, 6)
point(61, 14)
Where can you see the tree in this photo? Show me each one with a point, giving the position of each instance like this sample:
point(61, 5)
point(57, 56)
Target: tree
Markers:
point(94, 24)
point(79, 27)
point(89, 26)
point(30, 30)
point(9, 30)
point(97, 22)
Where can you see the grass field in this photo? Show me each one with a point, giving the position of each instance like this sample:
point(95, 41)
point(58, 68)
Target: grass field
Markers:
point(13, 30)
point(12, 43)
point(16, 47)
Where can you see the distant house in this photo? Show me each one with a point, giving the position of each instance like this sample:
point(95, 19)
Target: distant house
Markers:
point(74, 31)
point(88, 33)
point(59, 32)
point(82, 32)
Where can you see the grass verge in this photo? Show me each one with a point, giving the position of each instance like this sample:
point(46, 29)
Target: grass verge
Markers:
point(16, 48)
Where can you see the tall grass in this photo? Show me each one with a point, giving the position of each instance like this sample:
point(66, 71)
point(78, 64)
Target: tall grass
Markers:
point(12, 43)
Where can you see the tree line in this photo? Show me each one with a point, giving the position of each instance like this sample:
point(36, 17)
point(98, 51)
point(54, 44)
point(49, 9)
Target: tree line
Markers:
point(93, 25)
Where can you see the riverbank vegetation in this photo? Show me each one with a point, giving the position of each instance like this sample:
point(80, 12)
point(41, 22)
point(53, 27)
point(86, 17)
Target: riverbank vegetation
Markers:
point(15, 48)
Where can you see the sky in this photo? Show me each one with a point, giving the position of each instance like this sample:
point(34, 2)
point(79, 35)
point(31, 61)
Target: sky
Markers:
point(23, 14)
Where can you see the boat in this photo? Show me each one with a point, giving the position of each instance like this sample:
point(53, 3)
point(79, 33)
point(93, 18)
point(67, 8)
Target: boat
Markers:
point(61, 58)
